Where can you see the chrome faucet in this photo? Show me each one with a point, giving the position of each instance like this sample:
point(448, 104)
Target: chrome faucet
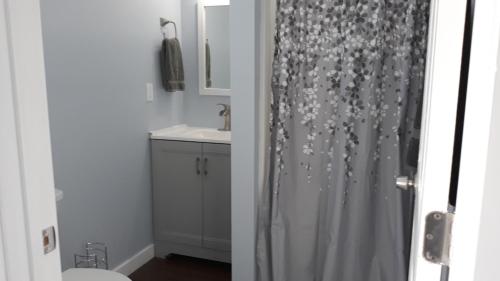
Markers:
point(226, 113)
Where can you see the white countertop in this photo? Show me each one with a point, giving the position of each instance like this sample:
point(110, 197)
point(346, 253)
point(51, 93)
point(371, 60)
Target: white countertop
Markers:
point(195, 134)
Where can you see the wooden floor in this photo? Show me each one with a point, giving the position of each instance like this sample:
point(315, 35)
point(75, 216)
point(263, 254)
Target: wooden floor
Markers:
point(181, 268)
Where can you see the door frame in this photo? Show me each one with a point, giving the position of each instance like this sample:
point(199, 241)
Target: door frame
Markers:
point(13, 235)
point(476, 230)
point(27, 194)
point(444, 57)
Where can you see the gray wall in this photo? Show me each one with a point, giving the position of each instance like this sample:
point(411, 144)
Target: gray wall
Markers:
point(99, 55)
point(244, 56)
point(198, 110)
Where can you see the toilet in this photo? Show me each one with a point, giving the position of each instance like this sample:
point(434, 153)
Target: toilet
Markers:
point(92, 274)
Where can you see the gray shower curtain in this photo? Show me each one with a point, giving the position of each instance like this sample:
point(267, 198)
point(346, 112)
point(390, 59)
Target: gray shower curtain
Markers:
point(348, 79)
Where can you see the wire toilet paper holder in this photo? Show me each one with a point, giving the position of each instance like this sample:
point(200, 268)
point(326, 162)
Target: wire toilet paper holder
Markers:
point(96, 256)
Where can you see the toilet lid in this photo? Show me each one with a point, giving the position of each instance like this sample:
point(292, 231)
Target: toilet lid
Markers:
point(91, 274)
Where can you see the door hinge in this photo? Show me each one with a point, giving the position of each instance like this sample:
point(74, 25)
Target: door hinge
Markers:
point(437, 239)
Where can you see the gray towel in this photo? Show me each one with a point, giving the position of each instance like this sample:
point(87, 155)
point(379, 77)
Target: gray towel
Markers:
point(208, 65)
point(172, 68)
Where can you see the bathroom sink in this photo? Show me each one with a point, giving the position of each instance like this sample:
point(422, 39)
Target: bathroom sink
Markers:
point(196, 134)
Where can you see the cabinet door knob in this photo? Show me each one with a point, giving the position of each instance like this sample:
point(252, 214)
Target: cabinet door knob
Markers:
point(198, 166)
point(205, 166)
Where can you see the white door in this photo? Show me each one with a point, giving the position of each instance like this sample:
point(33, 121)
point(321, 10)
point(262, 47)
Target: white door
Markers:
point(475, 238)
point(433, 181)
point(446, 31)
point(27, 200)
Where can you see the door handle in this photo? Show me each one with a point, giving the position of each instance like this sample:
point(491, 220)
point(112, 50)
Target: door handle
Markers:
point(405, 183)
point(198, 165)
point(205, 166)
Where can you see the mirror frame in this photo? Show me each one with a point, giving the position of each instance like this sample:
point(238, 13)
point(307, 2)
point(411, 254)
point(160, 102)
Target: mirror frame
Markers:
point(202, 79)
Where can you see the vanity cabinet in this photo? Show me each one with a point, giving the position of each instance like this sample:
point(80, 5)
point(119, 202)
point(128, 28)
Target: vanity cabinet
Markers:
point(192, 199)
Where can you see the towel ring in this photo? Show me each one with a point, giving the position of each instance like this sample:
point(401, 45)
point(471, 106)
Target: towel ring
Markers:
point(163, 23)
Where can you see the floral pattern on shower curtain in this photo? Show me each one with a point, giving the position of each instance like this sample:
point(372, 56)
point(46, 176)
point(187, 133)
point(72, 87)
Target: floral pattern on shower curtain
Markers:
point(348, 80)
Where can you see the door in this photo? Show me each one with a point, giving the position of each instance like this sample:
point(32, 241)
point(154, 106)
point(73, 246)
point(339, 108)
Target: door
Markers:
point(3, 274)
point(475, 245)
point(217, 196)
point(27, 194)
point(446, 32)
point(474, 238)
point(177, 191)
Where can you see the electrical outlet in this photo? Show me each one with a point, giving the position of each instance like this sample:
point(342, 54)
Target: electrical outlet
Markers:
point(149, 92)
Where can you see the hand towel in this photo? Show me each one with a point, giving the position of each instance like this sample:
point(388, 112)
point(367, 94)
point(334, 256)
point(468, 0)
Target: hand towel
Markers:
point(208, 65)
point(172, 68)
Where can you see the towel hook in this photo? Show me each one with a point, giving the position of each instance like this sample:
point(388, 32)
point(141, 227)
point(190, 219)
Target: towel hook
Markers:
point(163, 23)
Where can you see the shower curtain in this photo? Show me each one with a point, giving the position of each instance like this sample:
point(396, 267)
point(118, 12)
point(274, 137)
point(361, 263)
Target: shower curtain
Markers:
point(347, 85)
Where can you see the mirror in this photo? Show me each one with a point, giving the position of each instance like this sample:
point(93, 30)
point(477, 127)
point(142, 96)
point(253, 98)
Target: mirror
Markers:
point(213, 47)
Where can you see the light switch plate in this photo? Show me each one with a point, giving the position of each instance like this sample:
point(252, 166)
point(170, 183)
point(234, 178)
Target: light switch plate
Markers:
point(149, 92)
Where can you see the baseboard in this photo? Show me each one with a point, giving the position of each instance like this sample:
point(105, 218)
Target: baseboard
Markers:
point(136, 261)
